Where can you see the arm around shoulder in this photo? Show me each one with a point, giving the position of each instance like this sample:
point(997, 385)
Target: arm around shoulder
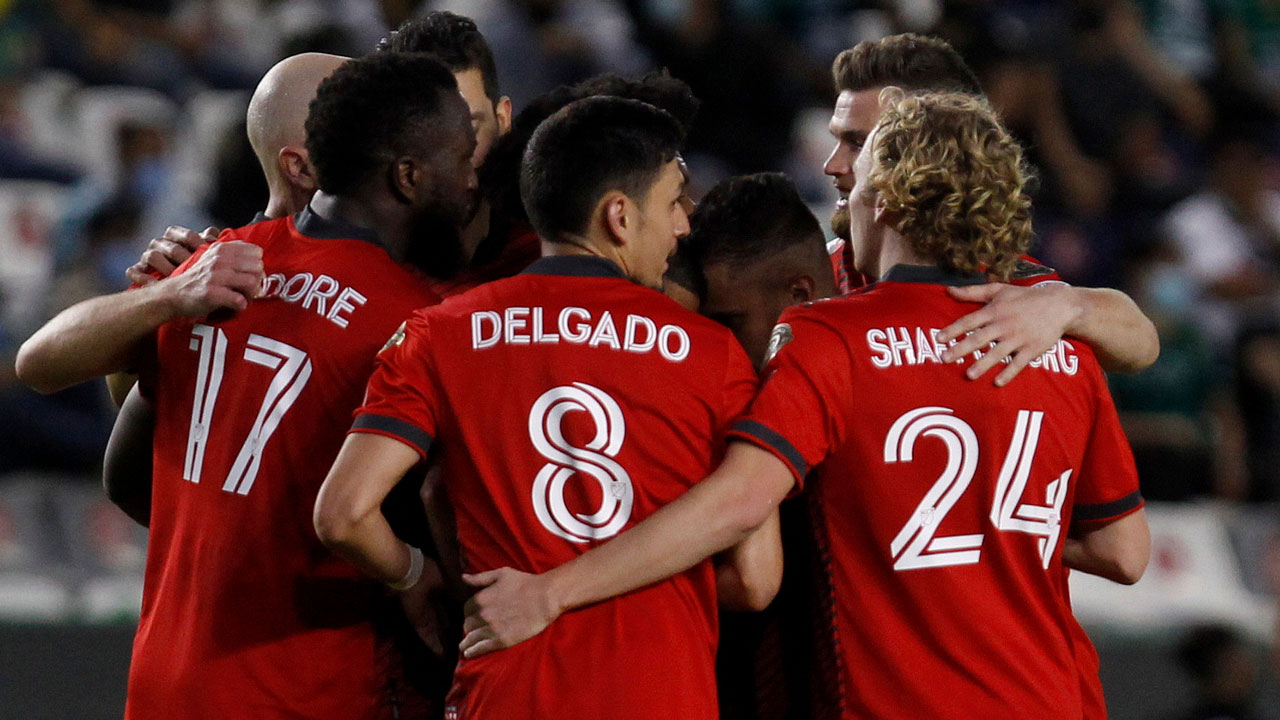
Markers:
point(1123, 337)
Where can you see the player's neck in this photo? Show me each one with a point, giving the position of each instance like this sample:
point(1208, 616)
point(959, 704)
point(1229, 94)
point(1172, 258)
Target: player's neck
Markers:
point(391, 225)
point(896, 251)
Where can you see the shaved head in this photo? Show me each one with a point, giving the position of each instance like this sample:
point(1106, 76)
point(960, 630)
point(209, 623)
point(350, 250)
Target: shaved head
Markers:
point(278, 111)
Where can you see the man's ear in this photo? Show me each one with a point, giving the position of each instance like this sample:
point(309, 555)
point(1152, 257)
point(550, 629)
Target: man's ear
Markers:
point(884, 216)
point(295, 167)
point(803, 288)
point(502, 110)
point(616, 213)
point(406, 177)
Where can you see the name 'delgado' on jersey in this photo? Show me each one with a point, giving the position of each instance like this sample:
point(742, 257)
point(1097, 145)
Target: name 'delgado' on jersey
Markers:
point(575, 325)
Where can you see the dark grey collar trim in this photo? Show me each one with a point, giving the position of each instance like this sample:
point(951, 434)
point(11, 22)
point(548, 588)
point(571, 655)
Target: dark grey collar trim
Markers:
point(311, 224)
point(575, 266)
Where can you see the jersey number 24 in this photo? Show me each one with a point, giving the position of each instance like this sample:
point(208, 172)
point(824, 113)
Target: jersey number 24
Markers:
point(917, 544)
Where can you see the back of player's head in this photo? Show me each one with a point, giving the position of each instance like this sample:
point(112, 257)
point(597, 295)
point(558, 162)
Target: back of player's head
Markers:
point(909, 61)
point(586, 149)
point(453, 39)
point(501, 172)
point(371, 110)
point(954, 180)
point(750, 218)
point(277, 110)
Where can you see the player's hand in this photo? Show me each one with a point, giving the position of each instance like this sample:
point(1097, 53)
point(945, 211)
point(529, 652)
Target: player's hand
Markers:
point(422, 607)
point(1023, 323)
point(511, 607)
point(228, 276)
point(165, 253)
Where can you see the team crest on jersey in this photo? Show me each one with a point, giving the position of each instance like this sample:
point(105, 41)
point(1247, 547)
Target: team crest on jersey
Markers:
point(778, 340)
point(395, 340)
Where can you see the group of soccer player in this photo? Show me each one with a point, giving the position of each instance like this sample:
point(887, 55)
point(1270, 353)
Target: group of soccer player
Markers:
point(611, 410)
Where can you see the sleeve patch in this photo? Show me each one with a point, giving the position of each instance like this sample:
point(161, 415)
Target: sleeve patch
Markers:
point(1024, 269)
point(782, 335)
point(396, 339)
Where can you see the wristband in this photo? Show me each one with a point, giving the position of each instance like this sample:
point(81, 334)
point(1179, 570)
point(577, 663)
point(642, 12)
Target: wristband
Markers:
point(413, 574)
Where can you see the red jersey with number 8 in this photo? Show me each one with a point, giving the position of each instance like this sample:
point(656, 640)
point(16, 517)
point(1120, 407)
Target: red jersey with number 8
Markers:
point(245, 614)
point(946, 501)
point(567, 404)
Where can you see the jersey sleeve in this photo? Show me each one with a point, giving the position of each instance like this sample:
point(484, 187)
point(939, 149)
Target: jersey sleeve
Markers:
point(798, 414)
point(401, 401)
point(1107, 489)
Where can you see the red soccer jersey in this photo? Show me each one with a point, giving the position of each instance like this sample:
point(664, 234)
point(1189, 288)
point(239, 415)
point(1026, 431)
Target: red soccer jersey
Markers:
point(567, 404)
point(245, 614)
point(946, 501)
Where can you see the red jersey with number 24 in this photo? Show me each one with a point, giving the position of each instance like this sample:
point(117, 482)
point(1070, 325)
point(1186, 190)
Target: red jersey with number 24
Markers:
point(245, 614)
point(946, 501)
point(567, 404)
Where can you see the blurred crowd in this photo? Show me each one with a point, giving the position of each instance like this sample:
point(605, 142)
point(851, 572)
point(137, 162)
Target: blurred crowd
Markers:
point(1152, 124)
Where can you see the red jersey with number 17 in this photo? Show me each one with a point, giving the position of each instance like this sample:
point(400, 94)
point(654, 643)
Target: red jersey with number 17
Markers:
point(245, 614)
point(567, 404)
point(946, 501)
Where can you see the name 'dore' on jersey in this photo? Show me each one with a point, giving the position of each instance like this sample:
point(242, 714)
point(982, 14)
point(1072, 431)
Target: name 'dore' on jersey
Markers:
point(321, 293)
point(898, 346)
point(574, 325)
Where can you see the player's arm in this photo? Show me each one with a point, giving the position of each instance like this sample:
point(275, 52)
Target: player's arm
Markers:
point(348, 514)
point(103, 335)
point(1025, 322)
point(126, 467)
point(719, 512)
point(1118, 551)
point(749, 574)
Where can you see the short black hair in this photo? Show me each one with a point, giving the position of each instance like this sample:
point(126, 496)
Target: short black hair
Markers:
point(748, 218)
point(500, 176)
point(453, 39)
point(366, 111)
point(587, 148)
point(908, 61)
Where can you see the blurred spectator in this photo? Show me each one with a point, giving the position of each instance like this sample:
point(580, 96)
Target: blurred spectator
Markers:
point(1224, 671)
point(1258, 390)
point(1228, 236)
point(541, 44)
point(1179, 414)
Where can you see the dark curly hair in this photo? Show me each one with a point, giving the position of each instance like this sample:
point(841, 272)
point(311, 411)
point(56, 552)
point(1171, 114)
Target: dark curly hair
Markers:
point(365, 113)
point(451, 38)
point(908, 61)
point(589, 147)
point(747, 218)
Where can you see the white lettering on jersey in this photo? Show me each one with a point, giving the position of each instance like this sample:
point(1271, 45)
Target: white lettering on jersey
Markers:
point(313, 292)
point(901, 346)
point(576, 326)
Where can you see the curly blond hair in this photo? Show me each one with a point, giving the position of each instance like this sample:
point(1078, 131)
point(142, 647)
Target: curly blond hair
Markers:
point(956, 180)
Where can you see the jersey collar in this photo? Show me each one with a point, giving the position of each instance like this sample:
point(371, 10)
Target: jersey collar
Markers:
point(931, 274)
point(575, 266)
point(311, 224)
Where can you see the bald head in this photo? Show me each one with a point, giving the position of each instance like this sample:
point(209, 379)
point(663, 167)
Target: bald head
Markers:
point(278, 111)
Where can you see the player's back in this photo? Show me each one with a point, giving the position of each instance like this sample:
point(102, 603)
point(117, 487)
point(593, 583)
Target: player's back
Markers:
point(245, 613)
point(569, 404)
point(947, 503)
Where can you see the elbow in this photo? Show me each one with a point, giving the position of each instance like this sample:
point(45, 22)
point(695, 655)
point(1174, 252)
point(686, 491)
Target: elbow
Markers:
point(1130, 567)
point(335, 527)
point(759, 593)
point(30, 366)
point(1150, 349)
